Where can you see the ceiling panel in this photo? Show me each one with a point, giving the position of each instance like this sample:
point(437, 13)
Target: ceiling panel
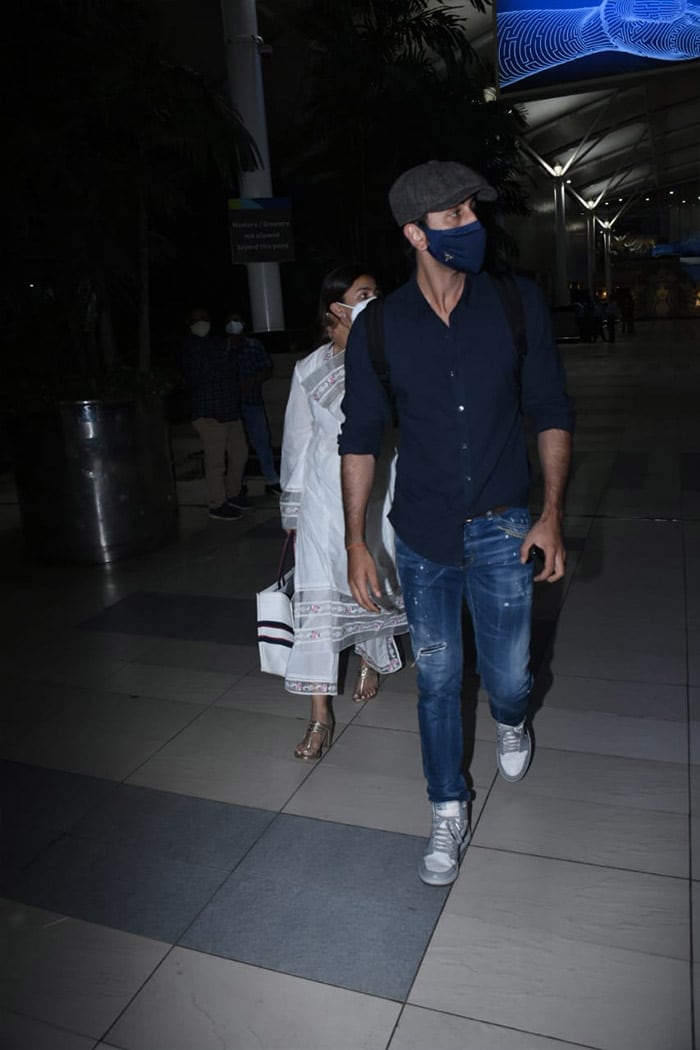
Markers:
point(637, 138)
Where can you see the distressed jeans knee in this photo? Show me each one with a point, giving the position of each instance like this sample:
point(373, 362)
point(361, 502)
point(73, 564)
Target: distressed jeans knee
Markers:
point(430, 650)
point(433, 600)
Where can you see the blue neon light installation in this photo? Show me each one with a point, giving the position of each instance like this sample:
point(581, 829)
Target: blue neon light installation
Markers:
point(534, 39)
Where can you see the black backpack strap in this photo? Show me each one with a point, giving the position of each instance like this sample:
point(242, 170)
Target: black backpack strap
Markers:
point(513, 305)
point(374, 312)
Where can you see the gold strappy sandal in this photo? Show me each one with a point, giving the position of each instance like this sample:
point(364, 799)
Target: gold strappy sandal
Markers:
point(318, 735)
point(365, 686)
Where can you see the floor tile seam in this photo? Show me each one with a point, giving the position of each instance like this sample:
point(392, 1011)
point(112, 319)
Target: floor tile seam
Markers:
point(553, 706)
point(350, 825)
point(641, 720)
point(287, 973)
point(563, 676)
point(201, 711)
point(660, 519)
point(369, 726)
point(587, 863)
point(315, 765)
point(234, 676)
point(395, 1026)
point(277, 817)
point(550, 794)
point(496, 1025)
point(127, 1006)
point(627, 681)
point(28, 901)
point(577, 937)
point(473, 827)
point(681, 763)
point(124, 782)
point(571, 862)
point(49, 1024)
point(70, 835)
point(26, 681)
point(224, 873)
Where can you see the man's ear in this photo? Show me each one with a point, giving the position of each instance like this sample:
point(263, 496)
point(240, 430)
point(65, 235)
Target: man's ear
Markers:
point(415, 236)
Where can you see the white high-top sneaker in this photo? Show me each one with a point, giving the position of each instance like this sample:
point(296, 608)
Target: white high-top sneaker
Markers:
point(449, 839)
point(513, 750)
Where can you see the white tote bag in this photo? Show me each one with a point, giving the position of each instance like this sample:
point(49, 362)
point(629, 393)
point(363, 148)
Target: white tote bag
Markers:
point(276, 621)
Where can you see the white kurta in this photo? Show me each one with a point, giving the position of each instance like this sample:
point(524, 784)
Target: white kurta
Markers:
point(326, 617)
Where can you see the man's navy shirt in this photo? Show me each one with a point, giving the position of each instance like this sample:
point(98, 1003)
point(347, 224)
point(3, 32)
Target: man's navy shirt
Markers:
point(462, 445)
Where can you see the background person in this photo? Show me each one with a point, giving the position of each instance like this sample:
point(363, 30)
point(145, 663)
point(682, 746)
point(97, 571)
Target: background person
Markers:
point(211, 373)
point(326, 619)
point(460, 508)
point(254, 367)
point(611, 314)
point(627, 312)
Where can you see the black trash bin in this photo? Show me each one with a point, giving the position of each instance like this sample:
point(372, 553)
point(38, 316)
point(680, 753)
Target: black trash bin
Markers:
point(95, 480)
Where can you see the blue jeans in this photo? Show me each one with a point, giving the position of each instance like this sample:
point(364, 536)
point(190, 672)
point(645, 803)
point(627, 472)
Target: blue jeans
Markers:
point(258, 431)
point(498, 592)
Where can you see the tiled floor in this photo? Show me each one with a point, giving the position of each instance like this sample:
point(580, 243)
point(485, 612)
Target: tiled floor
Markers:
point(174, 880)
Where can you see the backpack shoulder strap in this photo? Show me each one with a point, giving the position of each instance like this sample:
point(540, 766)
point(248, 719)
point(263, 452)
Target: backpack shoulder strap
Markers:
point(507, 289)
point(374, 312)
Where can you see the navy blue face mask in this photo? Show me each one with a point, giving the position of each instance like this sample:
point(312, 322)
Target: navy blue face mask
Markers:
point(462, 248)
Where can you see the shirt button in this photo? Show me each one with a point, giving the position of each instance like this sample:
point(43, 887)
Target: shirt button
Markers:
point(464, 448)
point(452, 374)
point(460, 408)
point(469, 477)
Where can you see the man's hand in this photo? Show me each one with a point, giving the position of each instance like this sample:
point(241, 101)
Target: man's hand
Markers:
point(362, 577)
point(546, 535)
point(554, 447)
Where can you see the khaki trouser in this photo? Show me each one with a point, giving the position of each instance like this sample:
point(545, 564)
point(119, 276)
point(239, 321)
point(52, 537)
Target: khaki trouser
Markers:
point(225, 457)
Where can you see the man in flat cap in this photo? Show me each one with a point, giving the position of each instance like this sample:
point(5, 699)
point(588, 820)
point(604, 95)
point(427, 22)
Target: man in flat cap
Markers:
point(462, 379)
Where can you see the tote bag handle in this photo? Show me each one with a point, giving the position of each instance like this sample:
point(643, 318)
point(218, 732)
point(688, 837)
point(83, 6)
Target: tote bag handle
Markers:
point(287, 546)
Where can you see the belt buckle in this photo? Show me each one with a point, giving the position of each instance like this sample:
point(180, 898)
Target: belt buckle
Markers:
point(487, 513)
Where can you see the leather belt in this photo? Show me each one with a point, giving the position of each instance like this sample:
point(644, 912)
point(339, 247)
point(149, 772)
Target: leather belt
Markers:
point(487, 513)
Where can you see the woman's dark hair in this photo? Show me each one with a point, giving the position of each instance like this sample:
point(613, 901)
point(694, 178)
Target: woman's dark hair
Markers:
point(334, 286)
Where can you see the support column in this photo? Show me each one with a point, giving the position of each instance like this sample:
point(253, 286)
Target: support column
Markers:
point(606, 250)
point(590, 249)
point(245, 85)
point(561, 284)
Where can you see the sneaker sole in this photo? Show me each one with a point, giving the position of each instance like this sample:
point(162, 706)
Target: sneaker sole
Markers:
point(445, 878)
point(519, 776)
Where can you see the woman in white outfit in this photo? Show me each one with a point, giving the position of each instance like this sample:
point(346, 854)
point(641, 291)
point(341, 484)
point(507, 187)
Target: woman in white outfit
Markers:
point(326, 618)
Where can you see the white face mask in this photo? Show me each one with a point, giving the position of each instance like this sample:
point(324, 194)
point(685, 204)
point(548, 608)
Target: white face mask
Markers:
point(200, 328)
point(359, 307)
point(234, 327)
